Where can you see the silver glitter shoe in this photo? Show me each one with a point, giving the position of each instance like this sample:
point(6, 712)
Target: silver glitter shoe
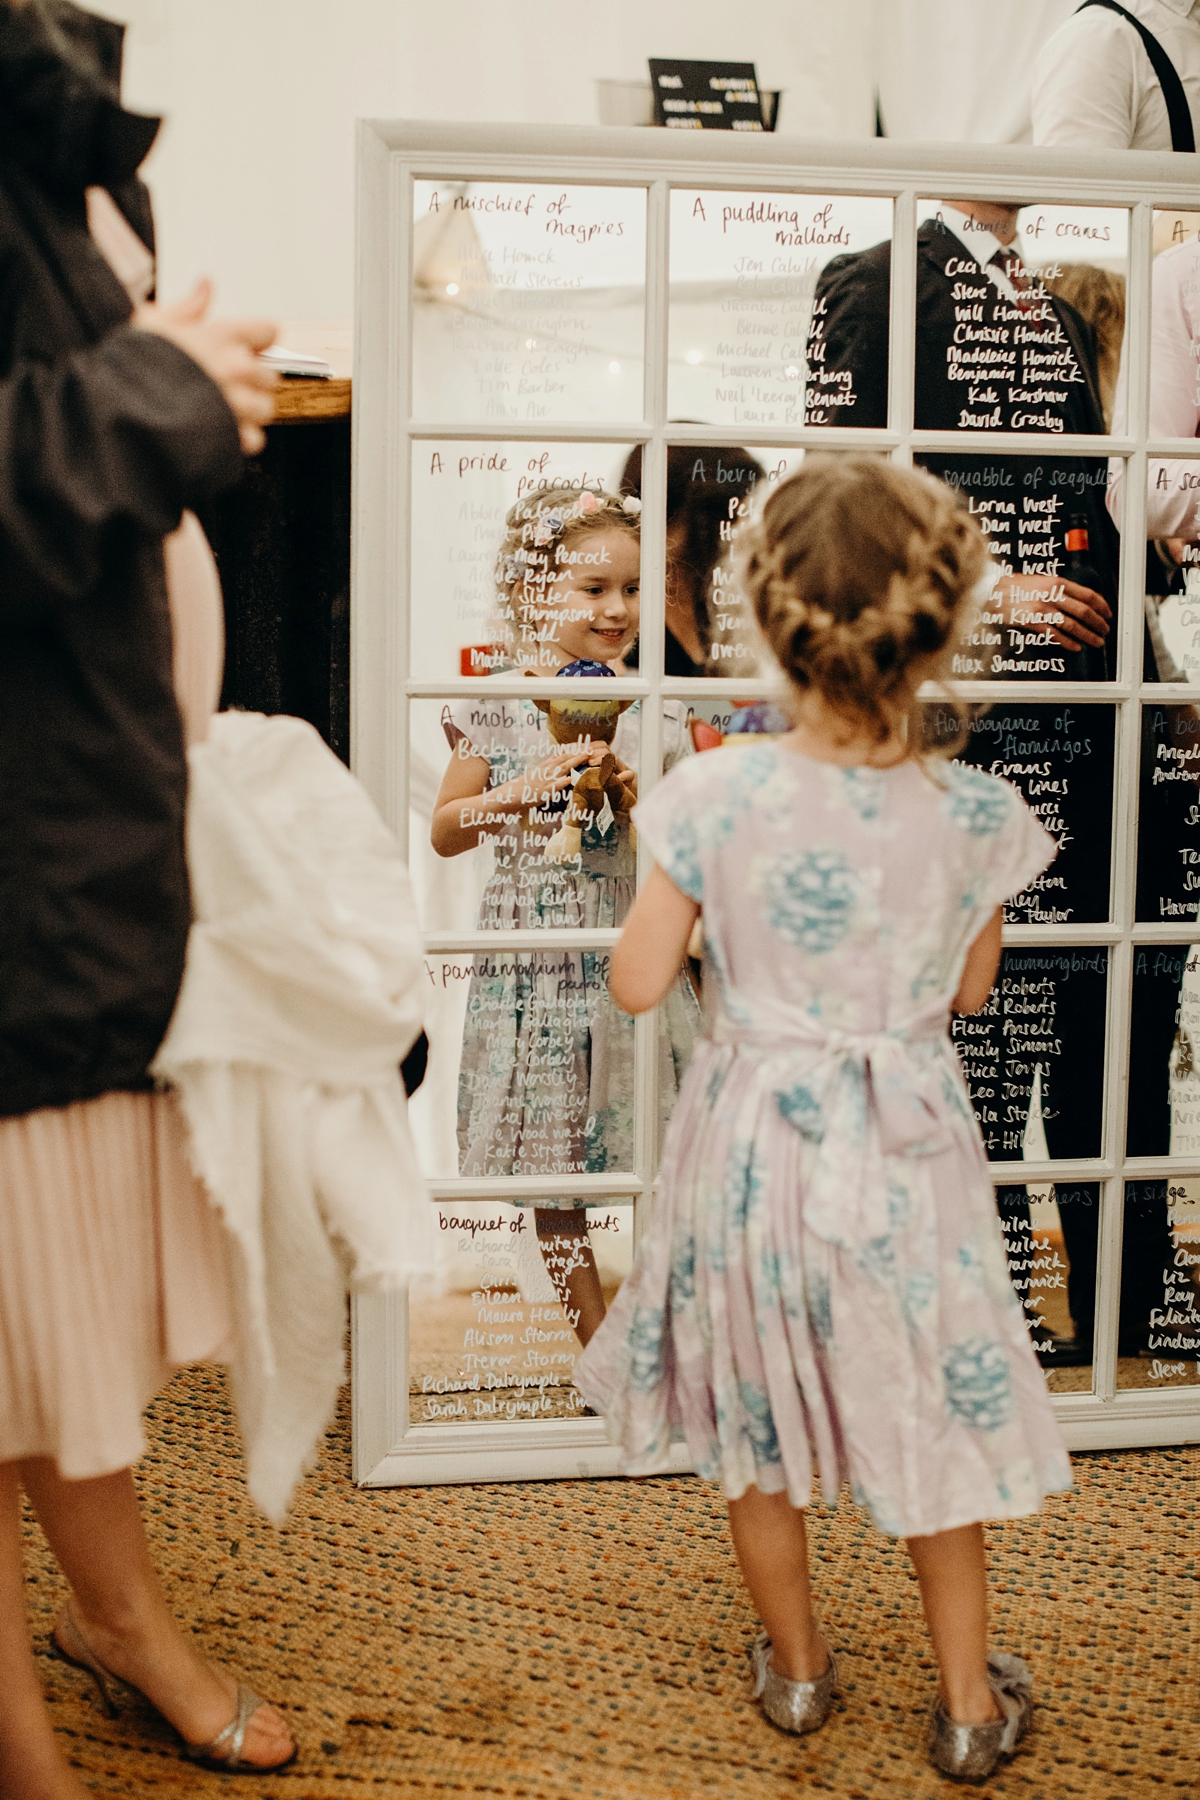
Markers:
point(971, 1752)
point(793, 1705)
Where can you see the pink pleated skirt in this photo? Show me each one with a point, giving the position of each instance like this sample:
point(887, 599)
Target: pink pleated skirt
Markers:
point(114, 1272)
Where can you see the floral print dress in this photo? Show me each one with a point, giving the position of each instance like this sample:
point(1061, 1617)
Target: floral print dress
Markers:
point(546, 1077)
point(823, 1283)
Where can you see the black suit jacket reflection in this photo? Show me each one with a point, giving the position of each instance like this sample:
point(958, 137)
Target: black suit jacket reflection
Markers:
point(848, 355)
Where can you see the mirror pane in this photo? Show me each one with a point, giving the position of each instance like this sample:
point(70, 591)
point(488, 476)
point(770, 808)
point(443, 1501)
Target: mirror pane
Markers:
point(485, 593)
point(1173, 486)
point(528, 301)
point(1061, 759)
point(1052, 615)
point(1164, 1069)
point(531, 1067)
point(1020, 316)
point(499, 1346)
point(1159, 1334)
point(1168, 868)
point(709, 625)
point(1051, 1235)
point(745, 343)
point(1034, 1057)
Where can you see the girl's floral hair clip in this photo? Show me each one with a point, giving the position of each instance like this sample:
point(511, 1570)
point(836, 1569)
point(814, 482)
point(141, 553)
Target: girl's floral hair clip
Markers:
point(631, 504)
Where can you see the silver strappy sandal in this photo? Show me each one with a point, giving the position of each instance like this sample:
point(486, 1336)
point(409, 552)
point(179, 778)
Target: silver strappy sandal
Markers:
point(792, 1705)
point(971, 1752)
point(222, 1754)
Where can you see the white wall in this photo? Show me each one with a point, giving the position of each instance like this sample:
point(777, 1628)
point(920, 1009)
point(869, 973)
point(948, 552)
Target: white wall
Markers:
point(959, 70)
point(253, 175)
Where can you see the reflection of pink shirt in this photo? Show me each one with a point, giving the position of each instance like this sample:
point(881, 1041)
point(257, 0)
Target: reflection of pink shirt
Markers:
point(1173, 488)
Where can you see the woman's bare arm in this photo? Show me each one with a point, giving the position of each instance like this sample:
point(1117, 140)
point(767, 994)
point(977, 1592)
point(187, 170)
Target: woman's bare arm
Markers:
point(653, 944)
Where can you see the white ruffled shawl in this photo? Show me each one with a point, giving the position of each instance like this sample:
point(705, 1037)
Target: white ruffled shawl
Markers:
point(300, 998)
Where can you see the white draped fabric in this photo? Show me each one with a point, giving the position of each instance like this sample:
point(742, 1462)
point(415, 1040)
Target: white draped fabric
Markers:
point(301, 996)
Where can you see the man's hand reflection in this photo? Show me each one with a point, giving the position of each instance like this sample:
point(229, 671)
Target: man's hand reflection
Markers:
point(1068, 614)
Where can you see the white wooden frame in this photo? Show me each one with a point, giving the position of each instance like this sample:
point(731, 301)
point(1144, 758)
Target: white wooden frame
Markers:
point(391, 155)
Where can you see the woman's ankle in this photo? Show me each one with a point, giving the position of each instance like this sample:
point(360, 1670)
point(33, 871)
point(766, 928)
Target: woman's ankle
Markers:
point(129, 1635)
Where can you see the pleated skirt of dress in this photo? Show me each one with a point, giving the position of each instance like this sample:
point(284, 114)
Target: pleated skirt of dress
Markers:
point(114, 1272)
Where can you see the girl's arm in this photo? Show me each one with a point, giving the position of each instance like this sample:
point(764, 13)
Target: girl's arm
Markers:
point(981, 967)
point(653, 943)
point(463, 812)
point(467, 810)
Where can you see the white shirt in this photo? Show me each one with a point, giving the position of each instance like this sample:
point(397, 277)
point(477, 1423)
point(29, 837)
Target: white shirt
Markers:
point(979, 243)
point(1172, 496)
point(1094, 87)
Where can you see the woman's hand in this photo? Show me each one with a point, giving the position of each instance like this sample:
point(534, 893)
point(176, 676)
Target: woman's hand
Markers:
point(227, 351)
point(1068, 613)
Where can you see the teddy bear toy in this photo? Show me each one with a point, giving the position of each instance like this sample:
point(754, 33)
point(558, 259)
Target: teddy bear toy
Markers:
point(597, 794)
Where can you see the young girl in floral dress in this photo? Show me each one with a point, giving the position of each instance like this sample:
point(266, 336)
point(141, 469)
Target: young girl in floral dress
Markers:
point(546, 1081)
point(823, 1281)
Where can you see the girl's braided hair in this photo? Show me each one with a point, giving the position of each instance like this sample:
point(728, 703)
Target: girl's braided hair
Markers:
point(528, 566)
point(859, 573)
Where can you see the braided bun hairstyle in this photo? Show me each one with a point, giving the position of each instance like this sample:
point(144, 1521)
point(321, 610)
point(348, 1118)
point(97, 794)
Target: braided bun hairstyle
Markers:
point(529, 565)
point(859, 573)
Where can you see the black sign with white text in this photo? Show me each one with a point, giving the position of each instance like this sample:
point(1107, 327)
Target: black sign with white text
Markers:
point(706, 96)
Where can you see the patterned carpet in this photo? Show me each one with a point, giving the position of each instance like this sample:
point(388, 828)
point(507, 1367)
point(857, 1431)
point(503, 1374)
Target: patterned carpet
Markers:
point(566, 1640)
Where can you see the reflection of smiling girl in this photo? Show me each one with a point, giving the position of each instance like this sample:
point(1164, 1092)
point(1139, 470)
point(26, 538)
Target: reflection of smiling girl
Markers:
point(546, 1083)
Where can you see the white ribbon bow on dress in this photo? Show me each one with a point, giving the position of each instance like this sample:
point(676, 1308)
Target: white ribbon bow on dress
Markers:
point(860, 1096)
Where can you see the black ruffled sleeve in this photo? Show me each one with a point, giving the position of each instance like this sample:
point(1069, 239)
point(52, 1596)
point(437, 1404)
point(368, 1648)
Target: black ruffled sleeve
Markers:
point(121, 436)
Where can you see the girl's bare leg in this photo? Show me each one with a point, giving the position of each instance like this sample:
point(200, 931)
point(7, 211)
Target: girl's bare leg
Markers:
point(571, 1265)
point(952, 1573)
point(95, 1530)
point(31, 1765)
point(772, 1550)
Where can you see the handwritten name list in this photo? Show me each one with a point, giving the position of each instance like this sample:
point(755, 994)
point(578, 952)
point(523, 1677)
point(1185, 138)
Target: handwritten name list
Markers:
point(744, 268)
point(1045, 1019)
point(1168, 877)
point(1023, 505)
point(1061, 759)
point(503, 1351)
point(528, 301)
